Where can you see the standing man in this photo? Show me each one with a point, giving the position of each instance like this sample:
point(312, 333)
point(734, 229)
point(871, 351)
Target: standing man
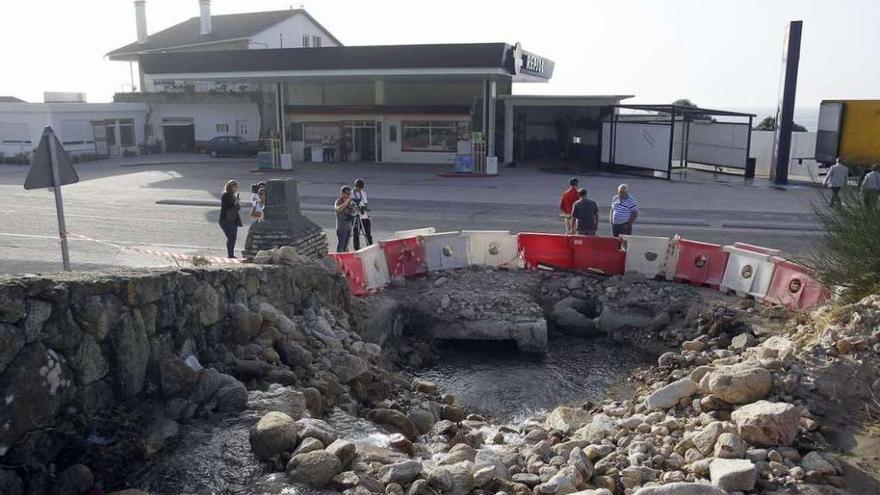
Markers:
point(345, 213)
point(359, 196)
point(836, 179)
point(569, 196)
point(871, 186)
point(624, 212)
point(585, 215)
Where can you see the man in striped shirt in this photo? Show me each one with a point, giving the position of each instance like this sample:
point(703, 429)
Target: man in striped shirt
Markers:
point(624, 212)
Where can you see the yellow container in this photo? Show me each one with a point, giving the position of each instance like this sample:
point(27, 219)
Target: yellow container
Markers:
point(860, 132)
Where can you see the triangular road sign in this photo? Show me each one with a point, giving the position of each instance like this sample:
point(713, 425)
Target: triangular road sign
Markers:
point(40, 174)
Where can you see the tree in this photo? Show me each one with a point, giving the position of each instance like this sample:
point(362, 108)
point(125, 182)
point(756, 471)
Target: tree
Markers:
point(684, 102)
point(769, 124)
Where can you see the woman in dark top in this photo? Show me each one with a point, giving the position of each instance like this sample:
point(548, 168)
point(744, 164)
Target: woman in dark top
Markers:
point(230, 220)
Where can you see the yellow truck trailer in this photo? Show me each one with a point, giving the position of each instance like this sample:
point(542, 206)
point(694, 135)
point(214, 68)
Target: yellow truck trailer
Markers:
point(849, 130)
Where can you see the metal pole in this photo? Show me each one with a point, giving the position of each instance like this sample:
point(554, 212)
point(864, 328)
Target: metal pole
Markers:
point(59, 204)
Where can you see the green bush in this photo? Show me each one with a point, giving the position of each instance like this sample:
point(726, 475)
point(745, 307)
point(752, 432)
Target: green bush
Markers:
point(847, 254)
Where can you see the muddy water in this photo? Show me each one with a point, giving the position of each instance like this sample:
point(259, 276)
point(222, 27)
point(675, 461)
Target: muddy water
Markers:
point(495, 379)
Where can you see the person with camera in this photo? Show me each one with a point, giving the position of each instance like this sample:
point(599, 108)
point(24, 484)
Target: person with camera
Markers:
point(362, 224)
point(346, 212)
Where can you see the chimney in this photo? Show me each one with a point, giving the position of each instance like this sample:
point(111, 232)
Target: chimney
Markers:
point(205, 11)
point(140, 12)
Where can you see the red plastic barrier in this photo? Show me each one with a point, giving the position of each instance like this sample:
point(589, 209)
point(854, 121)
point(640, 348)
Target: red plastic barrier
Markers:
point(350, 265)
point(545, 249)
point(700, 263)
point(794, 287)
point(602, 254)
point(405, 257)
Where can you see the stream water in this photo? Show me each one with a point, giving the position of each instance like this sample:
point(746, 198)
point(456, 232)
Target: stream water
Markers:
point(489, 378)
point(494, 379)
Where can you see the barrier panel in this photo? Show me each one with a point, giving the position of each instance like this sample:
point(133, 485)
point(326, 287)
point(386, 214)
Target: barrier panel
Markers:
point(350, 265)
point(553, 250)
point(492, 248)
point(404, 257)
point(375, 267)
point(757, 249)
point(402, 234)
point(646, 255)
point(748, 271)
point(700, 263)
point(445, 251)
point(597, 254)
point(794, 287)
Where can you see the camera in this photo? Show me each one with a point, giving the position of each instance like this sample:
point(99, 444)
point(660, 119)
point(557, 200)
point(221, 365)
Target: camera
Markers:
point(256, 186)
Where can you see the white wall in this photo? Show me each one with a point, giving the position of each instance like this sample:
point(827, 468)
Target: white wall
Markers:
point(292, 30)
point(803, 146)
point(66, 119)
point(206, 116)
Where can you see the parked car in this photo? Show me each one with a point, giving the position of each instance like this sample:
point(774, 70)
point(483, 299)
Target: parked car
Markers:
point(231, 145)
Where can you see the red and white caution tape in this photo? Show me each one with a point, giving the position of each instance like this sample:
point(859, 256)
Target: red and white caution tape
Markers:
point(155, 252)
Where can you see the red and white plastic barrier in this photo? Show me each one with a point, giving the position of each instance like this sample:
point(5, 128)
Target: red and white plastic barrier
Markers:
point(647, 255)
point(404, 257)
point(597, 254)
point(700, 263)
point(375, 267)
point(492, 248)
point(403, 234)
point(794, 287)
point(749, 270)
point(445, 251)
point(545, 250)
point(744, 268)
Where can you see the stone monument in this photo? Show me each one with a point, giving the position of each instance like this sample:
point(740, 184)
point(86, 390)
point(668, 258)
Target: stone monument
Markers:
point(283, 224)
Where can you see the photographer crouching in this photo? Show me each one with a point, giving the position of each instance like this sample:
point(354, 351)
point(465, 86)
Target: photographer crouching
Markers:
point(346, 212)
point(362, 224)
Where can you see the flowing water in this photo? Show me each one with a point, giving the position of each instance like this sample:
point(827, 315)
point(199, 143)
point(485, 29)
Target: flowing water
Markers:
point(489, 378)
point(494, 379)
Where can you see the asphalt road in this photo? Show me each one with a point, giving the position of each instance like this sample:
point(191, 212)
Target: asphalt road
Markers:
point(117, 206)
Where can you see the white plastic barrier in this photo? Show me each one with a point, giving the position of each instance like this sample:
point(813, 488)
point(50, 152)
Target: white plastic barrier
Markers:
point(403, 234)
point(492, 248)
point(748, 272)
point(375, 268)
point(647, 255)
point(445, 251)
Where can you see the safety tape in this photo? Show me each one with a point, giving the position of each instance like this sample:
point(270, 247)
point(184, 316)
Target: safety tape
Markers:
point(154, 252)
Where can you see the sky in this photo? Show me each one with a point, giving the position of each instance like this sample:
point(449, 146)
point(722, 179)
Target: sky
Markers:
point(717, 53)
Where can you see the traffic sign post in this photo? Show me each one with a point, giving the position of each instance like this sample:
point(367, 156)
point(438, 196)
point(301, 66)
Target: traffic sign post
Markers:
point(51, 167)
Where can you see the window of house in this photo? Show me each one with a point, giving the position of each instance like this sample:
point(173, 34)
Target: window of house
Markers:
point(316, 41)
point(222, 128)
point(306, 41)
point(76, 132)
point(296, 131)
point(430, 136)
point(392, 134)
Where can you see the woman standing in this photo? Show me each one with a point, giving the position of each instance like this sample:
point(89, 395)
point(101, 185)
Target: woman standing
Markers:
point(230, 220)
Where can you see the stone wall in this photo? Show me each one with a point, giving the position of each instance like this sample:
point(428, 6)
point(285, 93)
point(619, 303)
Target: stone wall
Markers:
point(76, 345)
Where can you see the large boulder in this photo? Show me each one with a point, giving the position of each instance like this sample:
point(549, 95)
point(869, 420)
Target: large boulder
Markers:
point(599, 427)
point(733, 474)
point(456, 479)
point(394, 420)
point(314, 469)
point(767, 424)
point(402, 473)
point(317, 429)
point(274, 434)
point(344, 450)
point(740, 383)
point(347, 367)
point(567, 419)
point(670, 395)
point(682, 488)
point(279, 398)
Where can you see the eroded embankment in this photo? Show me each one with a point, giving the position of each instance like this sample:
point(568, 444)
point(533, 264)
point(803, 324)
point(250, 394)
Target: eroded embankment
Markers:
point(258, 380)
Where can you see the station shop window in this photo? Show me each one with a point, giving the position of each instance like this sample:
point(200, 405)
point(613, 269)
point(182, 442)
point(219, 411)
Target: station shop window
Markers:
point(222, 128)
point(430, 136)
point(316, 41)
point(15, 133)
point(306, 41)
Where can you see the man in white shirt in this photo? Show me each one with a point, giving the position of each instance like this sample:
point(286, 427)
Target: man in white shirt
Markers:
point(624, 212)
point(871, 185)
point(836, 179)
point(359, 196)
